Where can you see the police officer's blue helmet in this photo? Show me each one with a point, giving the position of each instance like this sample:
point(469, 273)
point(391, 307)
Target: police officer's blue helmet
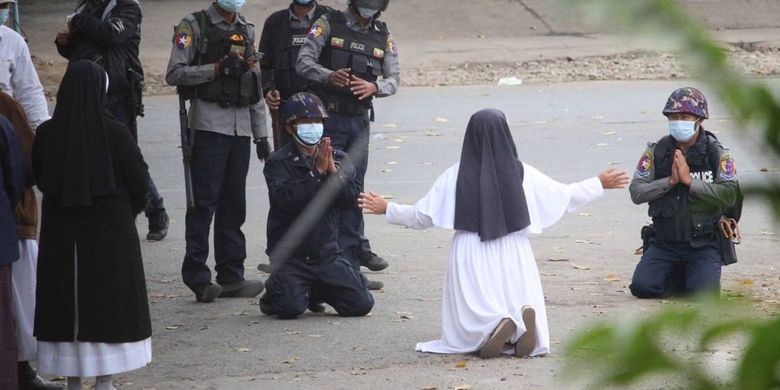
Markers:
point(303, 105)
point(381, 5)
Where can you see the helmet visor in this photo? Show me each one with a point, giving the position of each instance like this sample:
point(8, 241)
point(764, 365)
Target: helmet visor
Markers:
point(373, 4)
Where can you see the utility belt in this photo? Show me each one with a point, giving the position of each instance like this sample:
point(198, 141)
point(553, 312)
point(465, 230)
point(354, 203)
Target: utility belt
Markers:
point(347, 107)
point(727, 236)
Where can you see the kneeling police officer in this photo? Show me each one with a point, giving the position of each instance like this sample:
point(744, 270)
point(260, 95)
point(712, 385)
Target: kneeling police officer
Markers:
point(690, 182)
point(309, 183)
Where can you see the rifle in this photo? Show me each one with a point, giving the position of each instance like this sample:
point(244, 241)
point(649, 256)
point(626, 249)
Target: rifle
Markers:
point(186, 149)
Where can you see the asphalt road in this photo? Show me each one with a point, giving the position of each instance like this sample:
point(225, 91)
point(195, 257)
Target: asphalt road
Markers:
point(569, 131)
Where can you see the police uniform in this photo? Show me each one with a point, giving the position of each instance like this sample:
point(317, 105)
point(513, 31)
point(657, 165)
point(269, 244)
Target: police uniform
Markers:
point(310, 269)
point(336, 41)
point(110, 35)
point(280, 42)
point(684, 255)
point(223, 119)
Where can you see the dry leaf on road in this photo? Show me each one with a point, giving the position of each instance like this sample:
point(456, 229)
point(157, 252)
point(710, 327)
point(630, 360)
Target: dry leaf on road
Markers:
point(577, 266)
point(291, 360)
point(612, 278)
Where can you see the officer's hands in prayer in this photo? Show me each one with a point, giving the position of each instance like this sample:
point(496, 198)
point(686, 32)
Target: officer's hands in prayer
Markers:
point(273, 99)
point(339, 78)
point(682, 168)
point(323, 161)
point(372, 203)
point(263, 149)
point(362, 88)
point(613, 178)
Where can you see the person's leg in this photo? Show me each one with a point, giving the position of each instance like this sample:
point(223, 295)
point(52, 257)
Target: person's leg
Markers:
point(340, 285)
point(104, 382)
point(74, 383)
point(703, 267)
point(229, 240)
point(209, 156)
point(8, 348)
point(287, 290)
point(652, 274)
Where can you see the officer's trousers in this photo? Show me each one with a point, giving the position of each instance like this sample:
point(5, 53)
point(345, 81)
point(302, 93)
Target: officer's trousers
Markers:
point(351, 134)
point(676, 269)
point(294, 285)
point(219, 167)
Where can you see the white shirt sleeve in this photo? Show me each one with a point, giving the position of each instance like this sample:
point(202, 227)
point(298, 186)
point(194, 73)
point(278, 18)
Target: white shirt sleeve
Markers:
point(407, 215)
point(25, 86)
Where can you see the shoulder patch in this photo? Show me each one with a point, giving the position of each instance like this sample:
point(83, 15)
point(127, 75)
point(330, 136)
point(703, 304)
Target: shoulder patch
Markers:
point(317, 29)
point(728, 168)
point(645, 164)
point(183, 37)
point(391, 46)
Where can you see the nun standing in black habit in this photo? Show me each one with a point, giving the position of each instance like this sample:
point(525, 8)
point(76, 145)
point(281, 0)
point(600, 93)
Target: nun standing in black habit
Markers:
point(492, 291)
point(92, 314)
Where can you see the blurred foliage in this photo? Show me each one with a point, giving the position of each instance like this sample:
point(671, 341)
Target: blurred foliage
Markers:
point(676, 343)
point(751, 104)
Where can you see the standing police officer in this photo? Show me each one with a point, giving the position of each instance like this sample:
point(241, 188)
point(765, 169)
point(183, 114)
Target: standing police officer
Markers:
point(351, 57)
point(214, 60)
point(109, 33)
point(284, 32)
point(689, 180)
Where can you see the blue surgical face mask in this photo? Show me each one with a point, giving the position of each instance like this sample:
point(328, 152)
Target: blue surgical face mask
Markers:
point(231, 5)
point(3, 15)
point(309, 134)
point(682, 131)
point(367, 13)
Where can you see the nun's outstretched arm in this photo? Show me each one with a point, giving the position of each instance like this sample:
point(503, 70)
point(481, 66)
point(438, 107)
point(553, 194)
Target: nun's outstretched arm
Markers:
point(397, 214)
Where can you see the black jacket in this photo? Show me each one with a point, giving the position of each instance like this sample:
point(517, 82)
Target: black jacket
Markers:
point(293, 184)
point(111, 41)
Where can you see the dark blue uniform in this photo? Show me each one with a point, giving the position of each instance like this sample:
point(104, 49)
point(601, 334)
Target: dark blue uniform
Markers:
point(303, 230)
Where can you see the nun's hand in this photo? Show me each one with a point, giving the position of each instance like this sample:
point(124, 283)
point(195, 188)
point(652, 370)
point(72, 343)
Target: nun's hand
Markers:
point(613, 178)
point(372, 203)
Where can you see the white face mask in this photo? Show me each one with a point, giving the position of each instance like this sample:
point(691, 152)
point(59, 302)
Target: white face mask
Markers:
point(231, 5)
point(682, 131)
point(367, 13)
point(309, 134)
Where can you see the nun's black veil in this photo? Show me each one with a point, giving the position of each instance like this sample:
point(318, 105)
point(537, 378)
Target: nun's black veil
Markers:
point(489, 198)
point(76, 161)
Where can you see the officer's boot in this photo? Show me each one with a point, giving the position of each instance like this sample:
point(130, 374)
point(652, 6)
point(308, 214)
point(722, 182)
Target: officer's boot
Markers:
point(158, 223)
point(29, 379)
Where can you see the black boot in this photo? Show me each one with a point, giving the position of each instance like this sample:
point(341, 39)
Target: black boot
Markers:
point(29, 379)
point(158, 224)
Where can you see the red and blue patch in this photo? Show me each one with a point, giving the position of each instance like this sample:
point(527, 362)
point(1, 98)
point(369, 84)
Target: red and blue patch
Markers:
point(645, 164)
point(728, 168)
point(182, 40)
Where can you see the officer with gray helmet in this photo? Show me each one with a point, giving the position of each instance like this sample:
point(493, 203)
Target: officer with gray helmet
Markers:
point(214, 64)
point(350, 57)
point(690, 182)
point(309, 184)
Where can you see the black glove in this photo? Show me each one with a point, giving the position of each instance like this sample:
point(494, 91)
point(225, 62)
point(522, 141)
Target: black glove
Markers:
point(262, 148)
point(232, 67)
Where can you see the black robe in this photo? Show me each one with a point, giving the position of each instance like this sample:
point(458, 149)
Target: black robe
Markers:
point(112, 300)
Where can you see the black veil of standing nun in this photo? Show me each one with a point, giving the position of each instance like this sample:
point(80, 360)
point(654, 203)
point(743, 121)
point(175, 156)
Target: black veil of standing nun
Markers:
point(492, 291)
point(92, 314)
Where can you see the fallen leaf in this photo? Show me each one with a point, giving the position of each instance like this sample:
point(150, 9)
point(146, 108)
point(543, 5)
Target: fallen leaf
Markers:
point(462, 387)
point(746, 282)
point(429, 388)
point(391, 162)
point(585, 214)
point(427, 163)
point(290, 360)
point(607, 132)
point(765, 233)
point(399, 139)
point(577, 266)
point(461, 364)
point(764, 170)
point(385, 170)
point(242, 349)
point(442, 120)
point(547, 274)
point(583, 241)
point(292, 333)
point(432, 133)
point(314, 335)
point(612, 278)
point(389, 125)
point(602, 144)
point(557, 259)
point(174, 326)
point(392, 147)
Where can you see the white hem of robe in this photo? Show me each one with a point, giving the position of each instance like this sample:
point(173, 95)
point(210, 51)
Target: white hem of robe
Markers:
point(23, 276)
point(86, 358)
point(487, 281)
